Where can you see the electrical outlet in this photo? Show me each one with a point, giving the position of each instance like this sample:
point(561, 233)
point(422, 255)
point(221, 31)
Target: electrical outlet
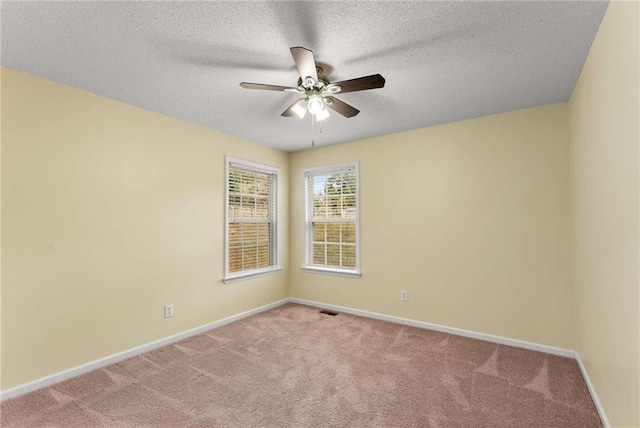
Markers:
point(404, 295)
point(168, 311)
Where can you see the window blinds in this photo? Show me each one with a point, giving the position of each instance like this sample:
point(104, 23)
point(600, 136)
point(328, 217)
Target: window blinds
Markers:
point(251, 219)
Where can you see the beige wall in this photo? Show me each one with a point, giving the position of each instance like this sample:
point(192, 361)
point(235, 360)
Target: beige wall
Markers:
point(605, 196)
point(472, 218)
point(110, 212)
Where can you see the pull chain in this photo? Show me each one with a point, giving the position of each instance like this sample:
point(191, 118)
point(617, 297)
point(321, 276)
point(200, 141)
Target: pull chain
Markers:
point(313, 127)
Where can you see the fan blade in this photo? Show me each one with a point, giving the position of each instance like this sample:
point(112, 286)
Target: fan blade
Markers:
point(341, 107)
point(265, 87)
point(305, 63)
point(360, 84)
point(294, 110)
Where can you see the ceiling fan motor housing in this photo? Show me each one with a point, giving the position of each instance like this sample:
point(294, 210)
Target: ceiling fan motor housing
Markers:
point(321, 84)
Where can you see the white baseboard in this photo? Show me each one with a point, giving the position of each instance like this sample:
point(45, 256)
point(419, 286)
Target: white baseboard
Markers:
point(115, 358)
point(592, 391)
point(451, 330)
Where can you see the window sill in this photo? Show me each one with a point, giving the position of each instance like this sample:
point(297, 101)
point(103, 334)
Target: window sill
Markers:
point(251, 275)
point(335, 272)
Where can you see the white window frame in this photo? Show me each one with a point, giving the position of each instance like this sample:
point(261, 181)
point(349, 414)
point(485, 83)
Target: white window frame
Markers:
point(230, 277)
point(308, 212)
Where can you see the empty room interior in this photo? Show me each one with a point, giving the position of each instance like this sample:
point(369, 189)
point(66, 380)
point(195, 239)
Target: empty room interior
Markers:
point(297, 214)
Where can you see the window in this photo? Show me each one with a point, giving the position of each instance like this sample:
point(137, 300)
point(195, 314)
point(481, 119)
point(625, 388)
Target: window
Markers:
point(251, 214)
point(331, 220)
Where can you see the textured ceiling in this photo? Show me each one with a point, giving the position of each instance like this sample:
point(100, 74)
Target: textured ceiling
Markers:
point(443, 61)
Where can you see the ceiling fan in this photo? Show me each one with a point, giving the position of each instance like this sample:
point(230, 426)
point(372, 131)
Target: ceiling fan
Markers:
point(317, 90)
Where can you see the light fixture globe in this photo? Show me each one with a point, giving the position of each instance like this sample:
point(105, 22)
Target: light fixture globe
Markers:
point(322, 115)
point(315, 104)
point(298, 108)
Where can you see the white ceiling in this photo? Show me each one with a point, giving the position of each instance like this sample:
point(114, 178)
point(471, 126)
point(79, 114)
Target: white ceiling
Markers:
point(442, 61)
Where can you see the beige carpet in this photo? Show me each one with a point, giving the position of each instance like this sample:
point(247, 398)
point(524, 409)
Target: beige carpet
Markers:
point(294, 367)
